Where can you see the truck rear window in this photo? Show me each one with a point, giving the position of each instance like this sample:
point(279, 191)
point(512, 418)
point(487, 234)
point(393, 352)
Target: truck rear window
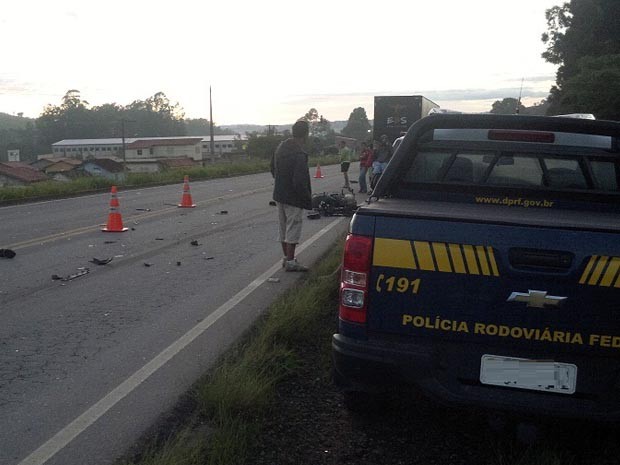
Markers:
point(524, 170)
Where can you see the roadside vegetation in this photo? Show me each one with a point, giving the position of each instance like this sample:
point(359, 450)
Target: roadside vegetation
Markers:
point(90, 184)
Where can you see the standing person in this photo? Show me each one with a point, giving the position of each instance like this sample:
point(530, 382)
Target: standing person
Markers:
point(345, 162)
point(292, 191)
point(365, 163)
point(383, 153)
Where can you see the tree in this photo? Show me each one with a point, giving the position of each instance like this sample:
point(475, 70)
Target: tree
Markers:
point(576, 30)
point(594, 89)
point(358, 126)
point(507, 106)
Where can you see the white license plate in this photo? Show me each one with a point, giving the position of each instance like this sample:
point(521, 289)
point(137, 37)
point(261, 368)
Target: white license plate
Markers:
point(523, 373)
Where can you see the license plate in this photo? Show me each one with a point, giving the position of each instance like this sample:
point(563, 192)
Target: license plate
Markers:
point(523, 373)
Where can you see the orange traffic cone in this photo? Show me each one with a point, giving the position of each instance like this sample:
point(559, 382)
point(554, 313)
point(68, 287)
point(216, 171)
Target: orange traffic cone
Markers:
point(318, 172)
point(115, 221)
point(186, 199)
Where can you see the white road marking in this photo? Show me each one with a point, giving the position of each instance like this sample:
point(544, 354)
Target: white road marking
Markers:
point(96, 411)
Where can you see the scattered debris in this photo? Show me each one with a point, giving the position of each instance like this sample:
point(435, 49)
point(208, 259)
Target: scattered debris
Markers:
point(7, 253)
point(133, 229)
point(147, 264)
point(223, 212)
point(314, 216)
point(171, 204)
point(109, 242)
point(195, 243)
point(178, 263)
point(143, 209)
point(98, 261)
point(209, 258)
point(81, 272)
point(273, 280)
point(159, 238)
point(272, 203)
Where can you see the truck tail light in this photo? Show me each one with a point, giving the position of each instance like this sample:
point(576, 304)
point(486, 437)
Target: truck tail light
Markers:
point(354, 278)
point(521, 136)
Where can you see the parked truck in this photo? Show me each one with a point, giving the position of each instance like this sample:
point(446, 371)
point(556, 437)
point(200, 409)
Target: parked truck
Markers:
point(395, 114)
point(485, 269)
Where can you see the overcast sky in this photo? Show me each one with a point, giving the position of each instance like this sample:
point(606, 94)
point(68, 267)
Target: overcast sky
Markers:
point(269, 61)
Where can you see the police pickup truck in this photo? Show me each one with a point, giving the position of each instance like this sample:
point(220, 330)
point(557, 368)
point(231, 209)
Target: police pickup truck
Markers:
point(485, 268)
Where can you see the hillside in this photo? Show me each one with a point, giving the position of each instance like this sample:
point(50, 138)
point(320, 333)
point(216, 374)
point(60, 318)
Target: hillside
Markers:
point(13, 122)
point(249, 128)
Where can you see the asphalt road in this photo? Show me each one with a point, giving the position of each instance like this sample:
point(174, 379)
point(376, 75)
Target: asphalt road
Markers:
point(88, 364)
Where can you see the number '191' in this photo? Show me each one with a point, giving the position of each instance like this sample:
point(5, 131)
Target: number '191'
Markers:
point(402, 284)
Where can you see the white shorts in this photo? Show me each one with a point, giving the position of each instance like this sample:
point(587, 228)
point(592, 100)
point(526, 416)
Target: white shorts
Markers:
point(290, 223)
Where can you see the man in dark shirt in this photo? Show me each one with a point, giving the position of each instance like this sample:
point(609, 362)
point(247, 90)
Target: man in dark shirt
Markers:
point(292, 191)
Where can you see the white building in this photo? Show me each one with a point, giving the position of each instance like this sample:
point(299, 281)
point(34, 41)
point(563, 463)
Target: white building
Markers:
point(113, 147)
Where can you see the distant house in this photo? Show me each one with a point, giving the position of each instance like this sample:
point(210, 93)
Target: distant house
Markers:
point(164, 148)
point(105, 167)
point(19, 174)
point(63, 169)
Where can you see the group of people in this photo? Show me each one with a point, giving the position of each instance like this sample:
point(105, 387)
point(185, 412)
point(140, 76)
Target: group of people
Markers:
point(292, 190)
point(373, 160)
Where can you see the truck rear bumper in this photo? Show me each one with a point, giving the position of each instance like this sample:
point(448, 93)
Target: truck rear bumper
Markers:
point(376, 366)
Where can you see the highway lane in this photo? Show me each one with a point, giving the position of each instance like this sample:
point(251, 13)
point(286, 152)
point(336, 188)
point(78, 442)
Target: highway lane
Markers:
point(64, 346)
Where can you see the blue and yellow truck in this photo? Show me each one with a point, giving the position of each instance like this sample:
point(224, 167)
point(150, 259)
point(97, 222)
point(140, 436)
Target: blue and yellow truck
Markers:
point(485, 268)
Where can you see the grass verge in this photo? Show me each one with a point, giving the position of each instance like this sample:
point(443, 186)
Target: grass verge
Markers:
point(232, 397)
point(88, 184)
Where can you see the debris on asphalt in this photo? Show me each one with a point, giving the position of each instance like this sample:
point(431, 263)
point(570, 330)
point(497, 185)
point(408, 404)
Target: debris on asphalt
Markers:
point(272, 203)
point(81, 272)
point(273, 280)
point(7, 253)
point(159, 238)
point(143, 209)
point(223, 212)
point(98, 261)
point(109, 242)
point(314, 216)
point(195, 243)
point(178, 263)
point(147, 264)
point(133, 229)
point(209, 258)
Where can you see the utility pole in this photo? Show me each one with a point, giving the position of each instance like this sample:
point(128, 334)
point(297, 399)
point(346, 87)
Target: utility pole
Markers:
point(123, 121)
point(211, 124)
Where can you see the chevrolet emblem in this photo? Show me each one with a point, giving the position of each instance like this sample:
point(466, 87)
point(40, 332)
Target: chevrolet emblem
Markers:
point(538, 299)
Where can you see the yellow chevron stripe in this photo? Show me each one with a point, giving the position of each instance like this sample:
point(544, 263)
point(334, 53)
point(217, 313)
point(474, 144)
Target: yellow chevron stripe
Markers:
point(611, 272)
point(393, 253)
point(435, 256)
point(482, 257)
point(492, 261)
point(470, 258)
point(441, 257)
point(589, 266)
point(457, 258)
point(596, 274)
point(423, 252)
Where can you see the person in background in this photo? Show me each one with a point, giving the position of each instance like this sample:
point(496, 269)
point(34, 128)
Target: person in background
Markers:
point(365, 163)
point(345, 161)
point(383, 153)
point(292, 191)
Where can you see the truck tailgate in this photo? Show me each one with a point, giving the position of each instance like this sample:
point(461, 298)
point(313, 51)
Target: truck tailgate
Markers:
point(529, 289)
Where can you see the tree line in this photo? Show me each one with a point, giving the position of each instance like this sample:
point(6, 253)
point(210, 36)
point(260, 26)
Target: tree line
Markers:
point(75, 118)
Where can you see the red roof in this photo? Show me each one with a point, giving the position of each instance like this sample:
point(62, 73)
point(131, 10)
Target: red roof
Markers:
point(148, 143)
point(22, 172)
